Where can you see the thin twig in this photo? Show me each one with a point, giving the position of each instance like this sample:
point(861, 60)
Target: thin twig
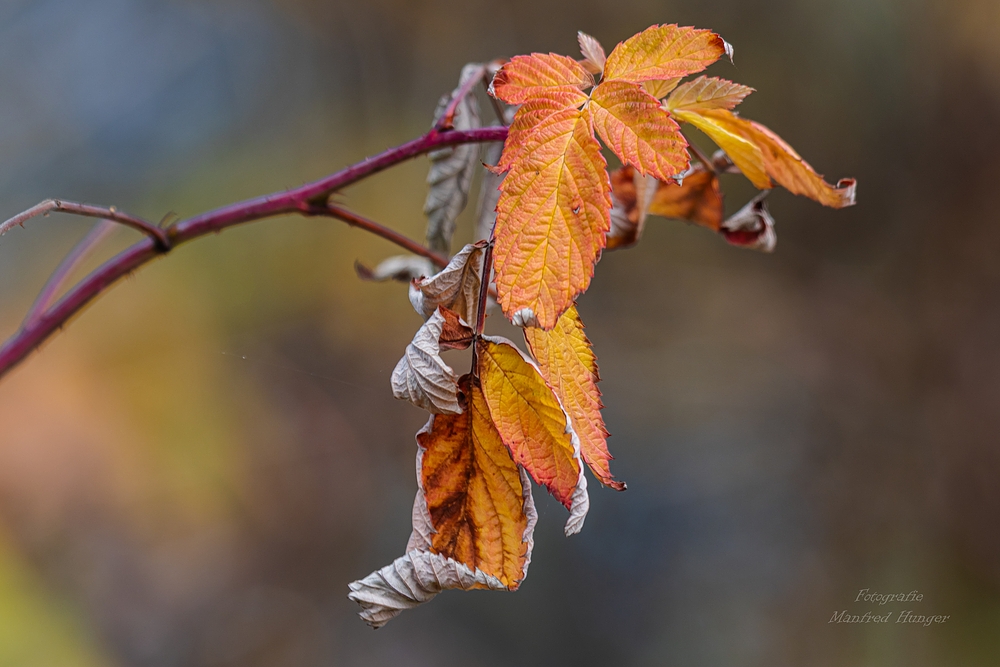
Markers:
point(355, 220)
point(89, 211)
point(448, 119)
point(700, 155)
point(299, 200)
point(72, 261)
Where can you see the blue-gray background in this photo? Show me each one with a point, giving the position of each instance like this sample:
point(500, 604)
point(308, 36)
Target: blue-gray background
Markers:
point(194, 470)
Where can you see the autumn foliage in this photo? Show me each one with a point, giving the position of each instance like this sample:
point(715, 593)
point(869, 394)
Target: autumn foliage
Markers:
point(515, 418)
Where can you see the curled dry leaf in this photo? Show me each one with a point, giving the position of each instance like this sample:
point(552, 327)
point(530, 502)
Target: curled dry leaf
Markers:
point(399, 267)
point(452, 168)
point(752, 226)
point(456, 286)
point(478, 506)
point(631, 195)
point(593, 52)
point(411, 580)
point(422, 377)
point(568, 364)
point(533, 425)
point(697, 198)
point(473, 516)
point(456, 334)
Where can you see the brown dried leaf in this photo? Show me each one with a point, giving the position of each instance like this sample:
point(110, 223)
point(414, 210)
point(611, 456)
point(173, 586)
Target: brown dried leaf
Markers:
point(422, 377)
point(455, 287)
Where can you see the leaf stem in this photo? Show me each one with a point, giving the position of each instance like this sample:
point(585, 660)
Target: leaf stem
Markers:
point(299, 200)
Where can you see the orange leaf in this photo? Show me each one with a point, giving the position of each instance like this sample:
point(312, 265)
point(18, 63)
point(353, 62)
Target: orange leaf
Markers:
point(529, 115)
point(707, 93)
point(568, 364)
point(664, 52)
point(539, 75)
point(533, 425)
point(552, 216)
point(634, 126)
point(698, 199)
point(473, 491)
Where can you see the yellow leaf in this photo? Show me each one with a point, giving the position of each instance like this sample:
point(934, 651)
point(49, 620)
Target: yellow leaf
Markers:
point(552, 216)
point(568, 364)
point(541, 74)
point(660, 89)
point(792, 172)
point(663, 52)
point(634, 126)
point(473, 491)
point(532, 424)
point(724, 129)
point(707, 93)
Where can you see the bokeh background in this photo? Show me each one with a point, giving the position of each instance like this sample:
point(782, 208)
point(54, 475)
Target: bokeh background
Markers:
point(193, 471)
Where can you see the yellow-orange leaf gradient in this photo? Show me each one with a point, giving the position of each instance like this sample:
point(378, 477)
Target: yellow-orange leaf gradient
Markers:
point(568, 364)
point(529, 418)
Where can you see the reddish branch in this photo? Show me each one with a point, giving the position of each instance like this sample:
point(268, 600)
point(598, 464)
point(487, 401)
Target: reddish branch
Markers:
point(309, 199)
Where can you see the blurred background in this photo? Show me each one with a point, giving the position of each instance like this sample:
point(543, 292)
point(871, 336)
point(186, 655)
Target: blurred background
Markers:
point(193, 472)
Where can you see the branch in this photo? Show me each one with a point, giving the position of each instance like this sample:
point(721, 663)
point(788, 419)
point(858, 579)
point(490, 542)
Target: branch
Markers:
point(302, 200)
point(355, 220)
point(88, 211)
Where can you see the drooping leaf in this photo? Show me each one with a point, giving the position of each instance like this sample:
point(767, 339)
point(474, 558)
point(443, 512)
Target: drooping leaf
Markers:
point(473, 491)
point(524, 78)
point(664, 52)
point(422, 377)
point(593, 52)
point(697, 199)
point(552, 217)
point(403, 268)
point(762, 155)
point(452, 169)
point(707, 93)
point(722, 127)
point(634, 126)
point(533, 425)
point(752, 226)
point(456, 286)
point(568, 364)
point(793, 173)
